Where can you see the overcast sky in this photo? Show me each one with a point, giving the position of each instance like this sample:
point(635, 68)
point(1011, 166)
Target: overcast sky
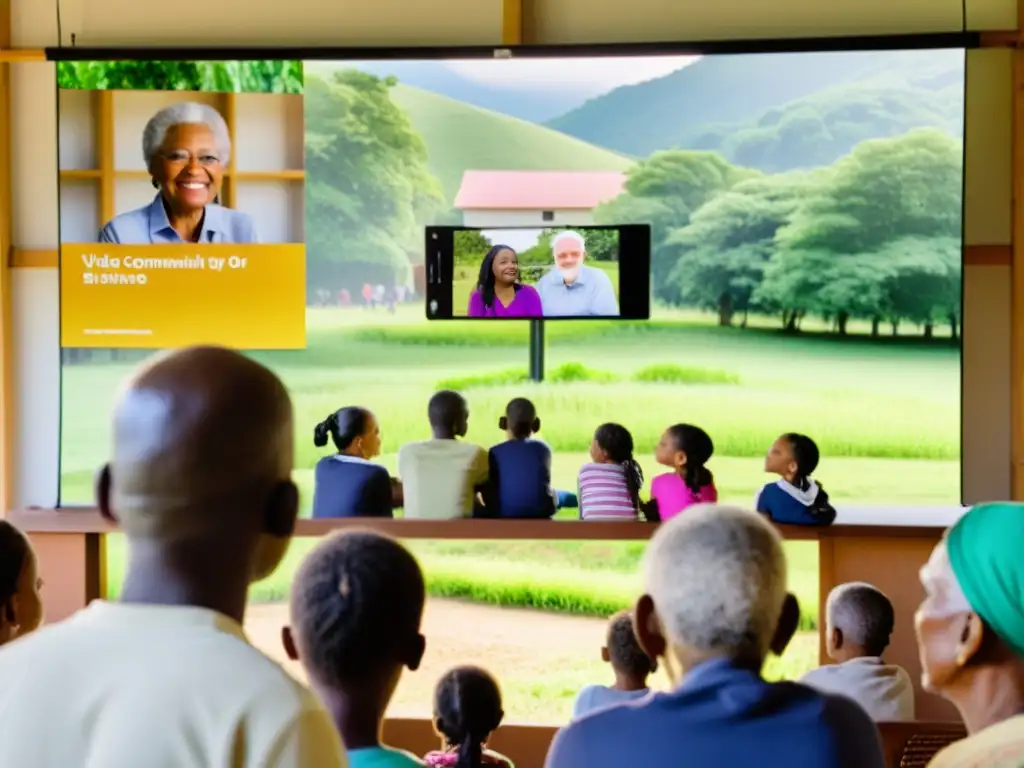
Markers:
point(594, 75)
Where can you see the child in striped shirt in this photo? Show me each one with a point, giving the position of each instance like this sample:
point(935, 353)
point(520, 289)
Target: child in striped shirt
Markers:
point(610, 484)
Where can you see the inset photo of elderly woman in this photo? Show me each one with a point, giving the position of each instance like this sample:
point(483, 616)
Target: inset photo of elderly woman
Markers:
point(186, 147)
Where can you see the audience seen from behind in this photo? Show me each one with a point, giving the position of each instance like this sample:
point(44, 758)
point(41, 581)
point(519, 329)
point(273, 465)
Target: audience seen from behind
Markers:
point(859, 622)
point(610, 484)
point(467, 710)
point(442, 477)
point(685, 449)
point(165, 676)
point(356, 606)
point(347, 483)
point(21, 607)
point(970, 631)
point(715, 605)
point(794, 499)
point(630, 665)
point(519, 483)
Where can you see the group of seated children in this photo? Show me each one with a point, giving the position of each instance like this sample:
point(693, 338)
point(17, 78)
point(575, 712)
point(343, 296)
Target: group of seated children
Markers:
point(446, 477)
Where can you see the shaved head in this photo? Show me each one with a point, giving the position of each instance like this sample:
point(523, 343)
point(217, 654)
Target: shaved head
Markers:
point(203, 448)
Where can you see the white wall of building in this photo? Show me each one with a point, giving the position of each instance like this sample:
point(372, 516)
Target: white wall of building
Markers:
point(499, 218)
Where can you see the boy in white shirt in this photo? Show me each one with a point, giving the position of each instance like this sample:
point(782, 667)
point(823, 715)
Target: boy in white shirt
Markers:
point(442, 476)
point(859, 623)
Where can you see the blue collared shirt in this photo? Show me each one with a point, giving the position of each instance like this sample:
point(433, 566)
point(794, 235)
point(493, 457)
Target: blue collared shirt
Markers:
point(149, 225)
point(590, 295)
point(720, 716)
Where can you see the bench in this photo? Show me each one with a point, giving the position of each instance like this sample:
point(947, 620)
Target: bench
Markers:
point(906, 745)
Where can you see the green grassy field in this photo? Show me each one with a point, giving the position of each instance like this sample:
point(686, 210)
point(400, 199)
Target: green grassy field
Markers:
point(463, 137)
point(466, 277)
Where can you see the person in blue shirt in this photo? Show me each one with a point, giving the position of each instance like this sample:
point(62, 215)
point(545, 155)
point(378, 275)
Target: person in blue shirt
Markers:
point(356, 609)
point(794, 499)
point(186, 147)
point(519, 469)
point(573, 289)
point(629, 663)
point(348, 484)
point(715, 604)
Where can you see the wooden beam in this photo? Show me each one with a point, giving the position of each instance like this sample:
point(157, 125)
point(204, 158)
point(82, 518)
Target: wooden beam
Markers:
point(19, 55)
point(8, 411)
point(512, 22)
point(229, 187)
point(104, 105)
point(1017, 280)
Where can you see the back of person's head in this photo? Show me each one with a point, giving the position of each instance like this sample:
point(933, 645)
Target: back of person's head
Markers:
point(448, 412)
point(467, 709)
point(623, 649)
point(616, 444)
point(356, 607)
point(203, 451)
point(21, 609)
point(696, 445)
point(805, 456)
point(716, 579)
point(344, 427)
point(520, 418)
point(862, 616)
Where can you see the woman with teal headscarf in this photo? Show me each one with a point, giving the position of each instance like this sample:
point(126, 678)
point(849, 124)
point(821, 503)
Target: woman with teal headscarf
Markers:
point(970, 632)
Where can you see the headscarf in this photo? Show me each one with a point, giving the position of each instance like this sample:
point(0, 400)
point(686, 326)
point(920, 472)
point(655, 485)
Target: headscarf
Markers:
point(984, 549)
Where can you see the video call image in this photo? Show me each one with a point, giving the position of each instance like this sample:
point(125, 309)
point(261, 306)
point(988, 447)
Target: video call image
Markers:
point(534, 273)
point(805, 251)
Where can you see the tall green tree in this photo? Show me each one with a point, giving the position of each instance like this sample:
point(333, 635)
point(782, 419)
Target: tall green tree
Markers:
point(720, 257)
point(665, 190)
point(469, 246)
point(368, 190)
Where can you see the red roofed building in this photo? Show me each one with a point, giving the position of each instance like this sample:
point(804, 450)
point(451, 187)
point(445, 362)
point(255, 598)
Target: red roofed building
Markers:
point(535, 198)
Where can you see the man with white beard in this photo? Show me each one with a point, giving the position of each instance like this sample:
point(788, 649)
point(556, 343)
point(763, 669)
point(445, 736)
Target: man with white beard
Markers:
point(573, 289)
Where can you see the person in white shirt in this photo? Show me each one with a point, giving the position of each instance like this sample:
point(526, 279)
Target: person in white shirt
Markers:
point(859, 622)
point(441, 477)
point(200, 483)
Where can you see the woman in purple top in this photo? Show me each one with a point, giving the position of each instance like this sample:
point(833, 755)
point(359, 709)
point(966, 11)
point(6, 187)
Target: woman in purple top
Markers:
point(499, 293)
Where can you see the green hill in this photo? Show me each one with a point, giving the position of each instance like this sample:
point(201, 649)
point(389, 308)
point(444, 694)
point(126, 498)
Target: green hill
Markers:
point(461, 137)
point(825, 97)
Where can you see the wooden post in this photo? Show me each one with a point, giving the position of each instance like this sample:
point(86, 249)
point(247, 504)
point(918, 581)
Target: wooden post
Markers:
point(1017, 271)
point(229, 187)
point(7, 409)
point(512, 22)
point(105, 156)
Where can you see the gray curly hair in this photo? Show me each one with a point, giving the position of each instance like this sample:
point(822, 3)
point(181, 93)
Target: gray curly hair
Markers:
point(178, 114)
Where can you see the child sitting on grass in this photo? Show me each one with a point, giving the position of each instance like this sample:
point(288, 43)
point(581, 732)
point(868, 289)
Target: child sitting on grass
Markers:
point(442, 476)
point(21, 608)
point(467, 709)
point(630, 665)
point(686, 449)
point(794, 499)
point(519, 484)
point(610, 484)
point(356, 606)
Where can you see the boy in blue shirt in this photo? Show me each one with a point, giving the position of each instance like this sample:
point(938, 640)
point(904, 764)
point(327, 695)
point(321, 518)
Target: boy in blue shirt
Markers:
point(795, 498)
point(356, 607)
point(630, 664)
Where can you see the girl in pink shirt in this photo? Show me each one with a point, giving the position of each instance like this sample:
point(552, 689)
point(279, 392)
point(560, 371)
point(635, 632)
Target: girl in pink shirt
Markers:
point(686, 449)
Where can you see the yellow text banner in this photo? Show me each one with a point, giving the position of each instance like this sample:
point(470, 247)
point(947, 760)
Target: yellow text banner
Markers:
point(177, 295)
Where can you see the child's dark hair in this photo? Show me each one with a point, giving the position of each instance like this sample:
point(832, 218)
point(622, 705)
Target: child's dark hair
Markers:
point(615, 440)
point(806, 455)
point(697, 445)
point(446, 408)
point(354, 597)
point(14, 551)
point(467, 709)
point(343, 426)
point(624, 651)
point(520, 418)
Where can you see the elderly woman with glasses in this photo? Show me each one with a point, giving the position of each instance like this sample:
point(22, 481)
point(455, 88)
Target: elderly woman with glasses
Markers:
point(186, 147)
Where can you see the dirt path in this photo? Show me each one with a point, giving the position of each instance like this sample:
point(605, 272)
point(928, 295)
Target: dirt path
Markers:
point(507, 641)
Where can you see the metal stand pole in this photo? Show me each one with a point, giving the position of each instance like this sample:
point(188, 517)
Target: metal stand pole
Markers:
point(537, 350)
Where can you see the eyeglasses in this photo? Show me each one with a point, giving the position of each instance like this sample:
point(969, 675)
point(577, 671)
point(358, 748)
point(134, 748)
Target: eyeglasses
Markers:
point(185, 157)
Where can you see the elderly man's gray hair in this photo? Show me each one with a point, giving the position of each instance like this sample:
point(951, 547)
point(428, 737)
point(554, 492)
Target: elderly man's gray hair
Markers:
point(863, 614)
point(717, 576)
point(180, 114)
point(575, 237)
